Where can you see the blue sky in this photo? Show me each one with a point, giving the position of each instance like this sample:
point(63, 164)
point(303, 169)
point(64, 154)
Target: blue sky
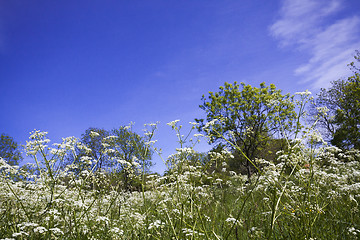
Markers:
point(67, 65)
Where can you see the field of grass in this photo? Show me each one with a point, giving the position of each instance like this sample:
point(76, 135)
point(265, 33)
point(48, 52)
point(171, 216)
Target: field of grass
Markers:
point(311, 193)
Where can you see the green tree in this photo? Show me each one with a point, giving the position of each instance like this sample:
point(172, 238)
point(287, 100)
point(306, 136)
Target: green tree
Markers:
point(129, 147)
point(123, 153)
point(340, 123)
point(247, 118)
point(9, 150)
point(268, 152)
point(93, 138)
point(130, 155)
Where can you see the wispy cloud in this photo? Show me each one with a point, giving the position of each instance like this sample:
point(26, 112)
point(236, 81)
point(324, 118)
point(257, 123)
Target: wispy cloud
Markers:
point(307, 25)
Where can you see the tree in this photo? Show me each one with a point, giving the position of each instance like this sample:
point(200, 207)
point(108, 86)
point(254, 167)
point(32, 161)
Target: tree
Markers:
point(268, 152)
point(247, 119)
point(129, 147)
point(341, 123)
point(93, 139)
point(9, 150)
point(129, 153)
point(122, 153)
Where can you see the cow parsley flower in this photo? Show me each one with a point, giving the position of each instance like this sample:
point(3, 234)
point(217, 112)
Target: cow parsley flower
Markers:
point(56, 231)
point(173, 123)
point(353, 231)
point(306, 93)
point(233, 221)
point(156, 224)
point(40, 229)
point(94, 134)
point(117, 231)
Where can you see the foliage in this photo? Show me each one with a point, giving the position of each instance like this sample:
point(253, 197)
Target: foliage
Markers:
point(268, 152)
point(248, 118)
point(340, 107)
point(347, 117)
point(129, 146)
point(93, 139)
point(129, 152)
point(9, 150)
point(113, 149)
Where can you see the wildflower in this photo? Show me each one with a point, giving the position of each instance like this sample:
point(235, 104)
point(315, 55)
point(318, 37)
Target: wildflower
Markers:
point(233, 221)
point(210, 123)
point(175, 210)
point(198, 135)
point(190, 232)
point(56, 231)
point(323, 110)
point(306, 93)
point(156, 224)
point(94, 134)
point(122, 161)
point(20, 234)
point(252, 229)
point(155, 124)
point(353, 231)
point(102, 219)
point(110, 137)
point(173, 123)
point(150, 142)
point(117, 231)
point(40, 229)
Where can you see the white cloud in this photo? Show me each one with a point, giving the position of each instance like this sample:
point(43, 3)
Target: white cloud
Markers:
point(305, 25)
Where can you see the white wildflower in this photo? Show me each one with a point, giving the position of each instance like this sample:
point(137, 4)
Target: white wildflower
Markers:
point(198, 135)
point(190, 232)
point(117, 231)
point(233, 221)
point(102, 219)
point(40, 229)
point(20, 234)
point(173, 123)
point(232, 173)
point(210, 123)
point(94, 134)
point(353, 231)
point(306, 93)
point(56, 231)
point(323, 110)
point(156, 224)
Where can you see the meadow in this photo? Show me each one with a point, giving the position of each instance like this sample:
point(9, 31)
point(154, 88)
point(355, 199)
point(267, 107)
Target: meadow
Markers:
point(312, 191)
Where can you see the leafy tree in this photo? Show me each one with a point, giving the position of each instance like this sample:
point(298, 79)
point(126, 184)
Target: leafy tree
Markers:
point(340, 123)
point(93, 139)
point(246, 119)
point(129, 147)
point(121, 152)
point(268, 152)
point(9, 150)
point(120, 144)
point(130, 155)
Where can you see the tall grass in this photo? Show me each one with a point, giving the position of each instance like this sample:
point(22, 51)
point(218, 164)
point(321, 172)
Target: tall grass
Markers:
point(310, 193)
